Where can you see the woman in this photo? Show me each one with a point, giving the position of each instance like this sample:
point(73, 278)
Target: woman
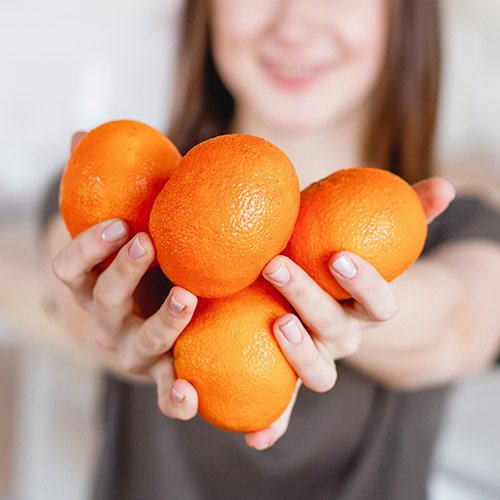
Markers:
point(334, 83)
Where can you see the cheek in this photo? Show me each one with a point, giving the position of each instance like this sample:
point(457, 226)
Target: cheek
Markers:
point(364, 34)
point(238, 21)
point(236, 28)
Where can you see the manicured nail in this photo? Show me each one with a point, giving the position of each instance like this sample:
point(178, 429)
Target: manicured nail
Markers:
point(175, 306)
point(114, 231)
point(344, 266)
point(176, 396)
point(292, 332)
point(136, 250)
point(280, 276)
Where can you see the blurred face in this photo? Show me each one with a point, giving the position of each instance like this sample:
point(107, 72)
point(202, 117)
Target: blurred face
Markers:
point(299, 64)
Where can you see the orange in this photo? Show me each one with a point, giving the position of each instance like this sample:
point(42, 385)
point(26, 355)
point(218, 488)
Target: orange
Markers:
point(370, 212)
point(229, 354)
point(226, 211)
point(116, 170)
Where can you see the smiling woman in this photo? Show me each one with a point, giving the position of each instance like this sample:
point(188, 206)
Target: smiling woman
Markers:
point(384, 115)
point(333, 83)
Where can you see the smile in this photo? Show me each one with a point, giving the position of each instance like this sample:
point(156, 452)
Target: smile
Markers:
point(295, 76)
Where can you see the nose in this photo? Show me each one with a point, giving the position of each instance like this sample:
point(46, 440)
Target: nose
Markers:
point(293, 21)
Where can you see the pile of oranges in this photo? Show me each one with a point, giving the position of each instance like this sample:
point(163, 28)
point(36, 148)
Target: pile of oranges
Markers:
point(216, 217)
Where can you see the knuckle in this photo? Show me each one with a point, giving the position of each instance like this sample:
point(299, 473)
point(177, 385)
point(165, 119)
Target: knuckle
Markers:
point(122, 266)
point(104, 298)
point(105, 340)
point(130, 363)
point(308, 362)
point(298, 290)
point(152, 342)
point(61, 269)
point(327, 318)
point(370, 292)
point(326, 323)
point(384, 311)
point(80, 247)
point(348, 345)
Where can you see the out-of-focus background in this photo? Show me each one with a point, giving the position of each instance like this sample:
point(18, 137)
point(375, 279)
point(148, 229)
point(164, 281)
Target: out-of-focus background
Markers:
point(68, 66)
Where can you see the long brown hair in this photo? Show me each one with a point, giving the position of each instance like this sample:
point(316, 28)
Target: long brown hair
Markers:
point(400, 132)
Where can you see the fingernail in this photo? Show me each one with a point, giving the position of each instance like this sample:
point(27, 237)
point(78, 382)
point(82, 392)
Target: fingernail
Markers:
point(136, 250)
point(114, 231)
point(344, 266)
point(280, 276)
point(291, 332)
point(176, 396)
point(175, 306)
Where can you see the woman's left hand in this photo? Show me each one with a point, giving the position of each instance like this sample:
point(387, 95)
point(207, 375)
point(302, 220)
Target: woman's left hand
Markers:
point(327, 329)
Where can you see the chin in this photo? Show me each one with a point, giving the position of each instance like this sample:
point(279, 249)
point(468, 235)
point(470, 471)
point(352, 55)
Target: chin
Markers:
point(299, 122)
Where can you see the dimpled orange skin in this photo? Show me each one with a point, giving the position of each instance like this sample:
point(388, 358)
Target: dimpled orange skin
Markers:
point(116, 170)
point(229, 354)
point(228, 209)
point(370, 212)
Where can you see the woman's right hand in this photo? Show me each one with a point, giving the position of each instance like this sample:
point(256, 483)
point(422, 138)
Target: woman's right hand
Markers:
point(126, 341)
point(130, 343)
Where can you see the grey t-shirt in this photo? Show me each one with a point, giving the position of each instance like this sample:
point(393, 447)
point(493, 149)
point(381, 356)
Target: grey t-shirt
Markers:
point(359, 441)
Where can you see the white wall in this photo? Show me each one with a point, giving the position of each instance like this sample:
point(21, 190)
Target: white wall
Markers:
point(68, 65)
point(470, 122)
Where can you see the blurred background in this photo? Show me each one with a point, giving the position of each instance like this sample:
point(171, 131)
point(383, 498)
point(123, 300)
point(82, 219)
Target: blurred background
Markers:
point(68, 66)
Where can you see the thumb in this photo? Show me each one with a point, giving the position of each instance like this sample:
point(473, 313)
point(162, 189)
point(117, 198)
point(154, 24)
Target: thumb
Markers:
point(435, 193)
point(77, 137)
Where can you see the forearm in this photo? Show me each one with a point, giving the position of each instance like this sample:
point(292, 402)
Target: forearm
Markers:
point(448, 324)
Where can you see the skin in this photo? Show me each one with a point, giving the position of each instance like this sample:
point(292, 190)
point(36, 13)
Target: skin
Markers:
point(457, 285)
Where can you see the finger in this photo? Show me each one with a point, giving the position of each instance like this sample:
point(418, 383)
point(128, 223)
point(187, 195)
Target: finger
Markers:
point(114, 288)
point(318, 310)
point(77, 137)
point(265, 438)
point(74, 264)
point(313, 362)
point(364, 283)
point(435, 193)
point(176, 398)
point(159, 332)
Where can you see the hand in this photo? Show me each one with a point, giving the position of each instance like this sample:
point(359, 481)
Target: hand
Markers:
point(114, 301)
point(328, 330)
point(137, 345)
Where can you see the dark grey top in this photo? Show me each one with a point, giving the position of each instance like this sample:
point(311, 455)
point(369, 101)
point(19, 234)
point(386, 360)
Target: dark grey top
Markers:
point(357, 442)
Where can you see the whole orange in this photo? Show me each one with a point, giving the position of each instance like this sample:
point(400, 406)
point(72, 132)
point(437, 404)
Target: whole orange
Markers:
point(370, 212)
point(225, 212)
point(229, 354)
point(116, 170)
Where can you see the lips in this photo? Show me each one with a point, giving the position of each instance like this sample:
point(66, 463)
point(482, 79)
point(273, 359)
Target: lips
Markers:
point(295, 75)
